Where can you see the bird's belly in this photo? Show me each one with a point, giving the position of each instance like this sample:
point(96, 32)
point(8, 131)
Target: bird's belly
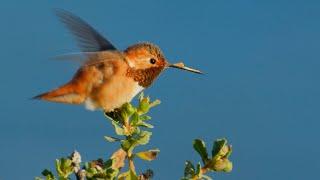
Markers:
point(113, 94)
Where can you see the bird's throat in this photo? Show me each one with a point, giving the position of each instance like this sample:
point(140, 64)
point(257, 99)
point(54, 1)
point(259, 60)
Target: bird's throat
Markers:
point(144, 77)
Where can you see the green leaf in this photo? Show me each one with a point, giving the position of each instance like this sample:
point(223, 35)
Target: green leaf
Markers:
point(112, 173)
point(144, 105)
point(111, 139)
point(129, 109)
point(154, 103)
point(134, 119)
point(132, 176)
point(48, 174)
point(145, 117)
point(217, 146)
point(144, 124)
point(136, 130)
point(189, 170)
point(91, 172)
point(198, 170)
point(128, 175)
point(221, 149)
point(107, 164)
point(119, 130)
point(64, 167)
point(229, 151)
point(123, 175)
point(126, 144)
point(144, 137)
point(66, 164)
point(140, 139)
point(58, 167)
point(148, 155)
point(200, 147)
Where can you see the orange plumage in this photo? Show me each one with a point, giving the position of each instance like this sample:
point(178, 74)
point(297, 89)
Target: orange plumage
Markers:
point(108, 78)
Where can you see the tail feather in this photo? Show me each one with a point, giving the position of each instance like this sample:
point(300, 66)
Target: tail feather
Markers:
point(64, 94)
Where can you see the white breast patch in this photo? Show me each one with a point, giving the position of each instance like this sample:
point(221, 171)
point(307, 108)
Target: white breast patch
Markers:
point(137, 90)
point(89, 104)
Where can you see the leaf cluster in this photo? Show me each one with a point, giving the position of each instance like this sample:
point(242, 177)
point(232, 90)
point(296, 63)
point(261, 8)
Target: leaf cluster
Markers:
point(218, 161)
point(131, 128)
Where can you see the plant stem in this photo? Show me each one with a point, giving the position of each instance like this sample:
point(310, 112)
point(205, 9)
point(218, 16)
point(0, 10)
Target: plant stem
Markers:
point(127, 126)
point(131, 165)
point(205, 168)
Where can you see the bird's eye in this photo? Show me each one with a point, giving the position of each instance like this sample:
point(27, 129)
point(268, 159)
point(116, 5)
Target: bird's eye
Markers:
point(152, 61)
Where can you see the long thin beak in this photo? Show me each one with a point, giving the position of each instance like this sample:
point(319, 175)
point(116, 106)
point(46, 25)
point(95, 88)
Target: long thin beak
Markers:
point(181, 66)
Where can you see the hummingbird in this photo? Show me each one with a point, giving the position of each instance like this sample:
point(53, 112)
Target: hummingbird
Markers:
point(108, 77)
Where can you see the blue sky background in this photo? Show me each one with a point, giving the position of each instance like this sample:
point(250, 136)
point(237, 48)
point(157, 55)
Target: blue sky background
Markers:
point(261, 90)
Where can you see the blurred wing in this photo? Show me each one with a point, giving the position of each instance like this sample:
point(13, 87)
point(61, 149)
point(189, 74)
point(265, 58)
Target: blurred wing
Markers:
point(91, 58)
point(89, 40)
point(79, 57)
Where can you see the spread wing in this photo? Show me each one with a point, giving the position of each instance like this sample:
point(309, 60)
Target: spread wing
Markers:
point(89, 40)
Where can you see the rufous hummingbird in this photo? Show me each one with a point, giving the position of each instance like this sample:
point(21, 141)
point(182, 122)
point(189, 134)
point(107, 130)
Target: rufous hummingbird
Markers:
point(108, 78)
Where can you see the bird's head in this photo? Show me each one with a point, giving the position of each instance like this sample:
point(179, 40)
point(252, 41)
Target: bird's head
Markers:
point(145, 56)
point(147, 61)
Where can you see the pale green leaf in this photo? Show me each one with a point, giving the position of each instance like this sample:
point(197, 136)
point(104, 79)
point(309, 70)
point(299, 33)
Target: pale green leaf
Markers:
point(119, 130)
point(111, 139)
point(144, 124)
point(144, 106)
point(155, 103)
point(144, 137)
